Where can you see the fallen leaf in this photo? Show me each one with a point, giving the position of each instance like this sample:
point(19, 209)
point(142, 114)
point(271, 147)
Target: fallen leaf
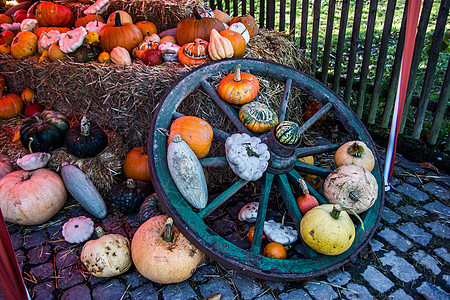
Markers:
point(216, 296)
point(428, 166)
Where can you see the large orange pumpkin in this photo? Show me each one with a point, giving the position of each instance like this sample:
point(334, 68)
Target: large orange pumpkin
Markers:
point(188, 29)
point(52, 14)
point(135, 165)
point(237, 41)
point(10, 106)
point(249, 22)
point(126, 35)
point(24, 44)
point(196, 132)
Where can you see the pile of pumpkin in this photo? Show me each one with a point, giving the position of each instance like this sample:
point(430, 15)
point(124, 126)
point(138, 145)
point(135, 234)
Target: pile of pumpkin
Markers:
point(51, 30)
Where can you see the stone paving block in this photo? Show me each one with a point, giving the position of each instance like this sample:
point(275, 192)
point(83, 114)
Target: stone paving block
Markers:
point(110, 290)
point(320, 290)
point(393, 198)
point(145, 292)
point(377, 280)
point(437, 190)
point(443, 253)
point(39, 255)
point(134, 279)
point(446, 278)
point(415, 233)
point(401, 268)
point(66, 258)
point(78, 292)
point(21, 258)
point(390, 216)
point(295, 295)
point(400, 295)
point(43, 272)
point(43, 291)
point(356, 292)
point(439, 228)
point(204, 272)
point(248, 286)
point(179, 291)
point(275, 285)
point(412, 192)
point(265, 297)
point(431, 291)
point(427, 261)
point(395, 181)
point(35, 239)
point(16, 240)
point(217, 286)
point(376, 245)
point(395, 239)
point(412, 211)
point(439, 208)
point(413, 180)
point(411, 165)
point(339, 278)
point(69, 277)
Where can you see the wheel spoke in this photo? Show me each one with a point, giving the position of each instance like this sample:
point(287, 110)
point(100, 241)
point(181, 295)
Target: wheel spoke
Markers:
point(214, 162)
point(218, 134)
point(262, 209)
point(229, 112)
point(222, 198)
point(307, 168)
point(294, 176)
point(305, 151)
point(285, 100)
point(315, 117)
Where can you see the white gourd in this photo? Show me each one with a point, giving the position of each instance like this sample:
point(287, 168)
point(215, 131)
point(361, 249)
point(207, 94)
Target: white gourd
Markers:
point(187, 173)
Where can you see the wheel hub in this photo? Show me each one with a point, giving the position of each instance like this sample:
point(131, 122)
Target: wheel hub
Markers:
point(282, 157)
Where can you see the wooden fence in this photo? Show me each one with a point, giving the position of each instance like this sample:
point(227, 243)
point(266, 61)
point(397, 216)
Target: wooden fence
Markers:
point(345, 67)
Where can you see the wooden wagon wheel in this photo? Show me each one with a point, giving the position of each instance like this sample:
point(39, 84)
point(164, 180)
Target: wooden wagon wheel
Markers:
point(191, 222)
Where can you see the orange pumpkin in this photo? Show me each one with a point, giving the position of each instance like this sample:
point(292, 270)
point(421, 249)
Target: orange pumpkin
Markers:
point(124, 17)
point(238, 88)
point(10, 106)
point(222, 16)
point(6, 37)
point(237, 41)
point(306, 201)
point(195, 53)
point(38, 31)
point(147, 27)
point(5, 19)
point(249, 22)
point(52, 14)
point(168, 38)
point(28, 95)
point(196, 132)
point(5, 49)
point(88, 18)
point(275, 250)
point(104, 57)
point(251, 234)
point(55, 53)
point(135, 165)
point(24, 44)
point(188, 29)
point(126, 35)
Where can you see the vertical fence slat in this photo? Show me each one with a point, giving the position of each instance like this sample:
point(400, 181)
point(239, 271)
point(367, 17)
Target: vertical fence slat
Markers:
point(328, 37)
point(252, 8)
point(292, 17)
point(340, 45)
point(262, 10)
point(395, 74)
point(282, 26)
point(431, 68)
point(381, 61)
point(244, 7)
point(212, 4)
point(315, 36)
point(304, 25)
point(366, 58)
point(235, 8)
point(353, 51)
point(227, 7)
point(418, 46)
point(270, 23)
point(441, 108)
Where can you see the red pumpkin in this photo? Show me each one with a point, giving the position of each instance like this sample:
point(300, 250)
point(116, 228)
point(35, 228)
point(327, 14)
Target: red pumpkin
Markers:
point(5, 19)
point(52, 14)
point(33, 108)
point(20, 15)
point(6, 37)
point(152, 57)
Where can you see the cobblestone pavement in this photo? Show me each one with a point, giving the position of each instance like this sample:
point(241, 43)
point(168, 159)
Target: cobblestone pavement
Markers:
point(408, 258)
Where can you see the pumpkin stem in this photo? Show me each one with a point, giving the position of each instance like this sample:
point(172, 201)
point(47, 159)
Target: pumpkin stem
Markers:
point(131, 184)
point(355, 150)
point(69, 36)
point(237, 73)
point(85, 126)
point(167, 234)
point(45, 33)
point(99, 231)
point(38, 120)
point(96, 19)
point(336, 212)
point(118, 21)
point(27, 176)
point(282, 220)
point(355, 214)
point(250, 152)
point(29, 144)
point(197, 13)
point(353, 196)
point(303, 186)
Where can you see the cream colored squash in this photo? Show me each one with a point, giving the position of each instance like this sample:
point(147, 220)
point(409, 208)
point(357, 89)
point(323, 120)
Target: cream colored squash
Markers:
point(219, 47)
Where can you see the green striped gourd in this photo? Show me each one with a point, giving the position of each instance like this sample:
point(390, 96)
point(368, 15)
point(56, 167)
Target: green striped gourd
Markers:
point(258, 117)
point(287, 133)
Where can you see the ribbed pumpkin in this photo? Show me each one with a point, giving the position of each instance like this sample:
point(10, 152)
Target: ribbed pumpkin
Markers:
point(238, 88)
point(88, 18)
point(147, 27)
point(10, 106)
point(135, 165)
point(5, 19)
point(249, 22)
point(188, 29)
point(149, 208)
point(219, 47)
point(86, 139)
point(6, 37)
point(195, 53)
point(128, 196)
point(288, 133)
point(24, 44)
point(126, 35)
point(196, 132)
point(124, 17)
point(52, 14)
point(258, 117)
point(237, 41)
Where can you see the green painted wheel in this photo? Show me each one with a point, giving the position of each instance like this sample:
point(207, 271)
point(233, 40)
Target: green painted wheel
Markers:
point(279, 178)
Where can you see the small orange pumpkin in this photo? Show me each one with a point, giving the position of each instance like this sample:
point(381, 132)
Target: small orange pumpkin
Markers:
point(119, 33)
point(147, 27)
point(28, 95)
point(195, 53)
point(135, 165)
point(251, 234)
point(10, 106)
point(238, 88)
point(24, 44)
point(5, 49)
point(275, 250)
point(5, 19)
point(55, 53)
point(104, 57)
point(196, 132)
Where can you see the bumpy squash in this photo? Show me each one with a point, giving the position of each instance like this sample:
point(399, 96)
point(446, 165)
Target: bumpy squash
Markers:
point(187, 173)
point(258, 117)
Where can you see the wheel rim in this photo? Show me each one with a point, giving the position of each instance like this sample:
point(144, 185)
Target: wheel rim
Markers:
point(191, 223)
